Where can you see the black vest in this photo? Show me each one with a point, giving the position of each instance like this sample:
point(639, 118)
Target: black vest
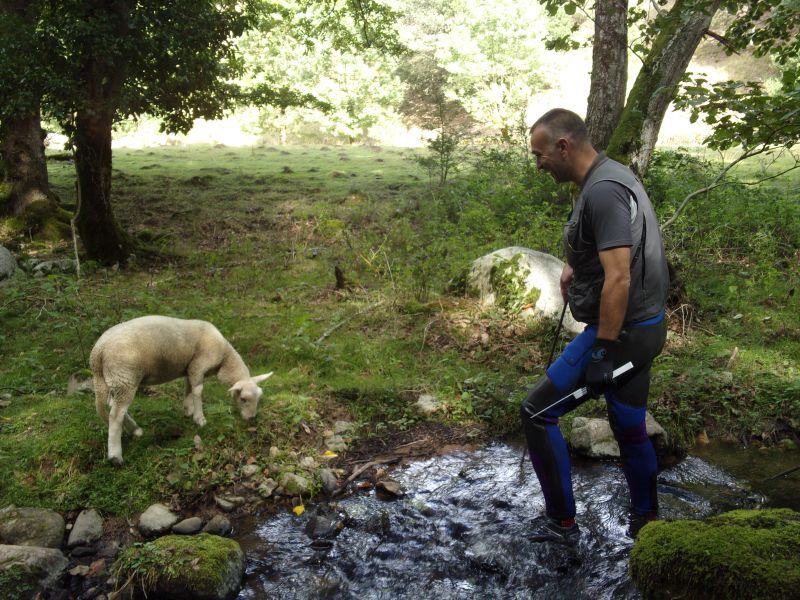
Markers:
point(649, 275)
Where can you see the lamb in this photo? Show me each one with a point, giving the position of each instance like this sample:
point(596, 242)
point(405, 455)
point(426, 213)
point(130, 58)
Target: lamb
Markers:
point(156, 349)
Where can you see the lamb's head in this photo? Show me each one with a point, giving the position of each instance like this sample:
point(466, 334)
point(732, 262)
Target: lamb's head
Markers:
point(246, 395)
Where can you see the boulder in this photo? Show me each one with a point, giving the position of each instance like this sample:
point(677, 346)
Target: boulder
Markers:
point(218, 525)
point(7, 263)
point(201, 567)
point(188, 526)
point(31, 527)
point(427, 404)
point(330, 482)
point(593, 437)
point(515, 278)
point(740, 554)
point(157, 519)
point(27, 570)
point(294, 484)
point(87, 529)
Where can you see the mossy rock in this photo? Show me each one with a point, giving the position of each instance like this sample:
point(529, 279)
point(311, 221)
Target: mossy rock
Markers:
point(508, 280)
point(740, 554)
point(177, 567)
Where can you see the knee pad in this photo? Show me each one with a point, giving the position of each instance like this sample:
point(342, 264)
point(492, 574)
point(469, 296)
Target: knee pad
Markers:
point(540, 397)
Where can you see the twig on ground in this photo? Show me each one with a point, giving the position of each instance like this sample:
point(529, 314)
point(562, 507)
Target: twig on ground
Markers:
point(325, 335)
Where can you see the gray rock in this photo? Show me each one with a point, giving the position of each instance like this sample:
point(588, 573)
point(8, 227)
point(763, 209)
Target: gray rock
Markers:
point(31, 566)
point(267, 487)
point(525, 276)
point(294, 484)
point(228, 503)
point(218, 525)
point(335, 443)
point(594, 437)
point(250, 470)
point(308, 463)
point(87, 529)
point(427, 404)
point(390, 488)
point(8, 263)
point(188, 526)
point(31, 527)
point(156, 520)
point(343, 427)
point(323, 527)
point(329, 481)
point(46, 267)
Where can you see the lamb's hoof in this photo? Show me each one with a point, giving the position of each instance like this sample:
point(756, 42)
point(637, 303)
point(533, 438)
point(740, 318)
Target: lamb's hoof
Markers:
point(200, 422)
point(116, 460)
point(138, 432)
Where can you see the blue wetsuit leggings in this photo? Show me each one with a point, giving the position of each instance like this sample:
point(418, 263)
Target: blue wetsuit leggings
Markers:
point(640, 343)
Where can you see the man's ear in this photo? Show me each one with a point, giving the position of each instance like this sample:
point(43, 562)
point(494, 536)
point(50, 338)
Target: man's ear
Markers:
point(562, 144)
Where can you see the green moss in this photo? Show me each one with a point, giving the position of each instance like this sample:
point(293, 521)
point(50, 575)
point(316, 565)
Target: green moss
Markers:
point(743, 553)
point(197, 563)
point(15, 583)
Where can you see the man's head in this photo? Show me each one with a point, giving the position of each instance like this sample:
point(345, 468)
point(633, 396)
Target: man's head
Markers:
point(560, 143)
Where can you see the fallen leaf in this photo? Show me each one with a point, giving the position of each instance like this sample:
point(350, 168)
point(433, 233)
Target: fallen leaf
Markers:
point(195, 562)
point(299, 509)
point(329, 454)
point(96, 568)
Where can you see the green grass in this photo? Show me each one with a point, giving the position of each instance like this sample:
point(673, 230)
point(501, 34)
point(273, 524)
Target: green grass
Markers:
point(252, 248)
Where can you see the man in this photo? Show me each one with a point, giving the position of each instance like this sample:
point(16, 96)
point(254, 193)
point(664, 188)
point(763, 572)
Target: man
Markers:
point(616, 281)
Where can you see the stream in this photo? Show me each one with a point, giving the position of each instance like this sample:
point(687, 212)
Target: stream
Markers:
point(459, 531)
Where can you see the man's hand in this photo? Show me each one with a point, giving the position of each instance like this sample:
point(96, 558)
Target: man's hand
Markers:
point(600, 372)
point(566, 279)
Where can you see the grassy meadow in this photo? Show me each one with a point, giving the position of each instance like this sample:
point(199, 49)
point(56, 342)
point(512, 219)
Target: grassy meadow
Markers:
point(249, 239)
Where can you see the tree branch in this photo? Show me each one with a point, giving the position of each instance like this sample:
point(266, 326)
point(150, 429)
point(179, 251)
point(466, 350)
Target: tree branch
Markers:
point(718, 183)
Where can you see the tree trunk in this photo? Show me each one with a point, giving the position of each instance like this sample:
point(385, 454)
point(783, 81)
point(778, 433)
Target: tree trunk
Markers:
point(609, 71)
point(103, 239)
point(680, 31)
point(25, 169)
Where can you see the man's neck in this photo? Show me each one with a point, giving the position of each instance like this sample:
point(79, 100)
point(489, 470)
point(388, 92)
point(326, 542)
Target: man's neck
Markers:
point(583, 162)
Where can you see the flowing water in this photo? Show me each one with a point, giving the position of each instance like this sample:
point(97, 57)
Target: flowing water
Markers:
point(460, 531)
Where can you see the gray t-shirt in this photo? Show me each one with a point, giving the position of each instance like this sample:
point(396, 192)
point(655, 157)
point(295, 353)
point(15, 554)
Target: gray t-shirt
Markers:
point(610, 210)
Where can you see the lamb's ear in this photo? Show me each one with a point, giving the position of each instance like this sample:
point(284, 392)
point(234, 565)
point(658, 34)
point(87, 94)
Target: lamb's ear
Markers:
point(260, 378)
point(236, 389)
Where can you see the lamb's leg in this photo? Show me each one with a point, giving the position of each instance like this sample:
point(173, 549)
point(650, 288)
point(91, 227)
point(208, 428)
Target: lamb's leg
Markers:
point(121, 398)
point(188, 401)
point(194, 381)
point(130, 426)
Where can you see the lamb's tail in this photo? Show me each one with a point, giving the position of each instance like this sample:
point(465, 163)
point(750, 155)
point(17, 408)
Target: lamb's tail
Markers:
point(100, 386)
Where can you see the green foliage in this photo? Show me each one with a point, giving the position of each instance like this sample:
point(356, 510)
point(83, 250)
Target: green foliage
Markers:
point(15, 583)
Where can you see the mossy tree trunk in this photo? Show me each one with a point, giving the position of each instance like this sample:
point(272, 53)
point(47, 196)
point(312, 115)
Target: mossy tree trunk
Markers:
point(103, 238)
point(609, 71)
point(25, 180)
point(680, 31)
point(102, 77)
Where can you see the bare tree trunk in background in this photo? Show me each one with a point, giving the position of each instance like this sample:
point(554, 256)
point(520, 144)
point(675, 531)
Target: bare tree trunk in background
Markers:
point(680, 31)
point(103, 238)
point(609, 70)
point(24, 166)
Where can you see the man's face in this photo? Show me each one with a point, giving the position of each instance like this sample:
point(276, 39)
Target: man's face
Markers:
point(550, 154)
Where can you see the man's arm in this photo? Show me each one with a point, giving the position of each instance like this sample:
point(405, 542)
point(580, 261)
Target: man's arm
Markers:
point(616, 263)
point(567, 275)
